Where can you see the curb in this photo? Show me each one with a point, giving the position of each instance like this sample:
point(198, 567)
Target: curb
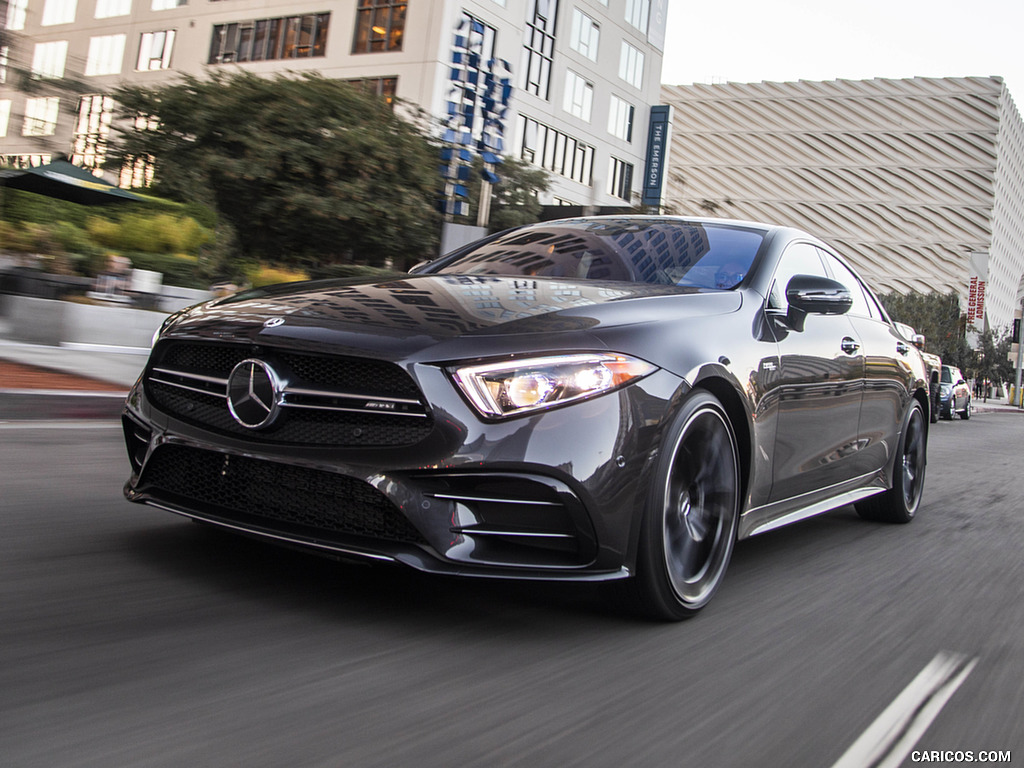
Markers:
point(45, 404)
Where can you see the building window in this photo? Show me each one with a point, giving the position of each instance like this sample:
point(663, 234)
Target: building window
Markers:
point(155, 51)
point(106, 9)
point(620, 119)
point(41, 116)
point(579, 96)
point(585, 34)
point(385, 87)
point(631, 65)
point(136, 173)
point(4, 61)
point(16, 14)
point(24, 161)
point(95, 113)
point(59, 12)
point(5, 116)
point(380, 26)
point(166, 5)
point(637, 12)
point(106, 54)
point(287, 37)
point(555, 151)
point(620, 179)
point(539, 48)
point(48, 59)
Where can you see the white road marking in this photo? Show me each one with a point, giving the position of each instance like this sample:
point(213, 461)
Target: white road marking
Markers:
point(888, 740)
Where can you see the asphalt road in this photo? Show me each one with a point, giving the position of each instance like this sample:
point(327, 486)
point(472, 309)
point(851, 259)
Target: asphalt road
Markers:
point(131, 637)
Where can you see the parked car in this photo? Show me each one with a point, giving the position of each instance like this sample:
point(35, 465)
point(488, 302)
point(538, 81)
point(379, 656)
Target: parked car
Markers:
point(597, 399)
point(954, 394)
point(933, 363)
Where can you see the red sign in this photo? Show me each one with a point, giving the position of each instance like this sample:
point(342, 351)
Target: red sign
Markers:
point(976, 300)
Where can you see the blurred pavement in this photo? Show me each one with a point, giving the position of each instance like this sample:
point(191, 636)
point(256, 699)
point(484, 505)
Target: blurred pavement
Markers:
point(72, 381)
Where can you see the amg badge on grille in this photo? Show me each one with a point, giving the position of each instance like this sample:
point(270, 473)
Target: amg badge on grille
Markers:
point(254, 394)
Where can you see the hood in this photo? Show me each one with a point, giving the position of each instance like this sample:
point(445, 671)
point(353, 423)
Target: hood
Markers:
point(417, 312)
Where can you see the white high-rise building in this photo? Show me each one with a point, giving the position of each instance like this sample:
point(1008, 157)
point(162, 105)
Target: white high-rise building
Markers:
point(913, 180)
point(583, 73)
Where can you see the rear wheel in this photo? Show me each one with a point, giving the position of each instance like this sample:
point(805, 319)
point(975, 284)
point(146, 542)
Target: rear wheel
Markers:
point(692, 512)
point(899, 504)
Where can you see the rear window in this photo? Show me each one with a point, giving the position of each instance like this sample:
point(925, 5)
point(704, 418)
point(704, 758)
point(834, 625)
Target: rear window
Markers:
point(657, 252)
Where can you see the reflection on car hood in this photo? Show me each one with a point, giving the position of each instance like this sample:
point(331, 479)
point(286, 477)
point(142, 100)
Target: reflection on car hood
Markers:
point(440, 307)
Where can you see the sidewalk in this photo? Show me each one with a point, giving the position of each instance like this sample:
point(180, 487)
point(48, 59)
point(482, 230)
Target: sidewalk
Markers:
point(66, 382)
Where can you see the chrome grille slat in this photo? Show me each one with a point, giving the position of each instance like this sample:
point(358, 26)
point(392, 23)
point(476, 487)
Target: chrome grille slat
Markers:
point(179, 385)
point(330, 393)
point(494, 500)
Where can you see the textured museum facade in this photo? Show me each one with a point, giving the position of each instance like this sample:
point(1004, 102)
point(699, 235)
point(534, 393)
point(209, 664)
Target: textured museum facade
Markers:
point(913, 180)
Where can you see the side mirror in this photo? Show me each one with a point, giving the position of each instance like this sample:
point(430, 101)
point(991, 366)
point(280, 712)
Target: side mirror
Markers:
point(918, 341)
point(812, 295)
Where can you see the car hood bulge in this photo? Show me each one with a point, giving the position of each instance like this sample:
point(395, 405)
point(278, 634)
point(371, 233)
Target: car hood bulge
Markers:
point(417, 312)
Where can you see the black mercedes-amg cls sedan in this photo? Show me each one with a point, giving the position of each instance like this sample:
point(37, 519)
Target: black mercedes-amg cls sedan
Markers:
point(611, 398)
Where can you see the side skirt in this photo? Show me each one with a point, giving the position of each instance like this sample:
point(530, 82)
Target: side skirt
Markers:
point(782, 513)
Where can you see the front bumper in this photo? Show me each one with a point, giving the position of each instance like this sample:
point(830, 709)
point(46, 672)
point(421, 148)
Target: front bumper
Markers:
point(553, 495)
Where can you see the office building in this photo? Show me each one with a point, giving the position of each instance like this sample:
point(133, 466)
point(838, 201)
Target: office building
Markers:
point(583, 73)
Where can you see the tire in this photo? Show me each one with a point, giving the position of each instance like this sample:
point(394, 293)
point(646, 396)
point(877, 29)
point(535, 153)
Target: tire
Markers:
point(947, 413)
point(899, 504)
point(691, 514)
point(966, 412)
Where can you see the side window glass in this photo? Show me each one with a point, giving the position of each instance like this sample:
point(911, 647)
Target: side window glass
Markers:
point(799, 259)
point(843, 274)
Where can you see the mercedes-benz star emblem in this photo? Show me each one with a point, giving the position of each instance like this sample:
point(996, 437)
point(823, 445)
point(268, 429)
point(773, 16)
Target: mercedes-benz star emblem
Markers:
point(253, 389)
point(273, 322)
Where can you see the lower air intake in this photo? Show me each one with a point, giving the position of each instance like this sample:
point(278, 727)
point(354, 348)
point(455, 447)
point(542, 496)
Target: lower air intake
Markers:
point(273, 495)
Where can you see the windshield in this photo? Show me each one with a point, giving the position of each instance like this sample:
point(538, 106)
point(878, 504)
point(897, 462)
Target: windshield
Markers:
point(655, 251)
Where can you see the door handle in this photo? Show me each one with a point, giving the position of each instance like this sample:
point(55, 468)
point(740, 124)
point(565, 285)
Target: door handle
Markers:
point(849, 346)
point(902, 348)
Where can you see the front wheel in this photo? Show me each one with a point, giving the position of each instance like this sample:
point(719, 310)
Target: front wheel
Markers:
point(692, 512)
point(966, 412)
point(899, 504)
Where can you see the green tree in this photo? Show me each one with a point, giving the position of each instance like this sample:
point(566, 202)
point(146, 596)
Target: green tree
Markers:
point(513, 199)
point(991, 360)
point(305, 169)
point(938, 317)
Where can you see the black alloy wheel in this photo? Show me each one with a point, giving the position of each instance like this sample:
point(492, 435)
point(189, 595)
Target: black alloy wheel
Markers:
point(899, 504)
point(692, 513)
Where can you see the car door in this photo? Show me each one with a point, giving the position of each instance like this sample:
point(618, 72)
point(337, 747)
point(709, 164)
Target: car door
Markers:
point(887, 371)
point(818, 388)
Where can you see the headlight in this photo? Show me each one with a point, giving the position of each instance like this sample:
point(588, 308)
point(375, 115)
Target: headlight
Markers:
point(512, 387)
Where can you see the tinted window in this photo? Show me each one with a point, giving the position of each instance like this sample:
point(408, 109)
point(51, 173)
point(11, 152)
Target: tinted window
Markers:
point(799, 259)
point(843, 274)
point(632, 250)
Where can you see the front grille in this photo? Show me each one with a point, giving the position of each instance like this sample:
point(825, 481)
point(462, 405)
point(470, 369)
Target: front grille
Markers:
point(269, 494)
point(326, 400)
